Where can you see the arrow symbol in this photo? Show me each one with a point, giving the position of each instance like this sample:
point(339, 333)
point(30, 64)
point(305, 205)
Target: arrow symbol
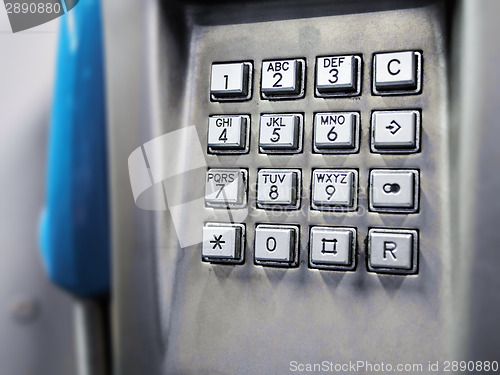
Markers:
point(393, 128)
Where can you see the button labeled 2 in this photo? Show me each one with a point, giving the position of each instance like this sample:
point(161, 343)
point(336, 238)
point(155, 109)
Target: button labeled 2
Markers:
point(283, 79)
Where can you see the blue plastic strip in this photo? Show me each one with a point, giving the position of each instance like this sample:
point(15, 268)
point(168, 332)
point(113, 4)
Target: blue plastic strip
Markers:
point(75, 238)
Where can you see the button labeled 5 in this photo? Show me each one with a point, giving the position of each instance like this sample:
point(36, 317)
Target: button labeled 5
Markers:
point(280, 133)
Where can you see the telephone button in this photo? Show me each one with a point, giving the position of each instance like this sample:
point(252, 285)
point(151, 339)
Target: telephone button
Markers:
point(226, 188)
point(281, 133)
point(223, 242)
point(336, 132)
point(338, 75)
point(394, 190)
point(334, 189)
point(228, 133)
point(278, 188)
point(276, 245)
point(397, 73)
point(332, 248)
point(393, 251)
point(283, 79)
point(395, 131)
point(231, 81)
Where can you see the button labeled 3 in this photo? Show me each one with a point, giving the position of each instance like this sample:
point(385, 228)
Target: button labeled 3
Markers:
point(334, 189)
point(394, 190)
point(278, 188)
point(338, 75)
point(336, 132)
point(276, 245)
point(393, 251)
point(397, 73)
point(332, 248)
point(223, 243)
point(226, 187)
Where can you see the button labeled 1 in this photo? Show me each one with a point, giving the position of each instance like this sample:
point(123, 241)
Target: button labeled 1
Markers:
point(231, 81)
point(395, 131)
point(227, 133)
point(337, 75)
point(276, 245)
point(283, 79)
point(336, 132)
point(393, 251)
point(226, 187)
point(334, 189)
point(332, 248)
point(278, 188)
point(397, 73)
point(223, 243)
point(394, 190)
point(280, 133)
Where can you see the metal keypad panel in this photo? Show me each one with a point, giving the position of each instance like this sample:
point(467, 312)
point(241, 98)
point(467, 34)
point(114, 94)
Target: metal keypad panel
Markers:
point(332, 287)
point(333, 190)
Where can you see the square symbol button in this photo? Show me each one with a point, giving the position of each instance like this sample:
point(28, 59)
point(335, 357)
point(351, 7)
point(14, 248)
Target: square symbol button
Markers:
point(276, 245)
point(332, 248)
point(334, 189)
point(223, 242)
point(336, 132)
point(394, 190)
point(338, 75)
point(393, 250)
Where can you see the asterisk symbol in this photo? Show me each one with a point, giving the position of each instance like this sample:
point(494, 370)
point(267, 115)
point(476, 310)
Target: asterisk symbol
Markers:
point(217, 241)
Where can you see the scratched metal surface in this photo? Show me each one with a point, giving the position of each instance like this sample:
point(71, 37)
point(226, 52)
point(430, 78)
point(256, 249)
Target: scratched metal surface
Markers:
point(249, 319)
